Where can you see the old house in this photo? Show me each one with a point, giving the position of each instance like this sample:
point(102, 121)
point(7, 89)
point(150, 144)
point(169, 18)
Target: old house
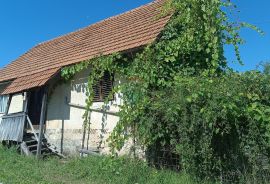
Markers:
point(34, 101)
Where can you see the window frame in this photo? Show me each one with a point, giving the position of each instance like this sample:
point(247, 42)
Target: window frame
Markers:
point(107, 81)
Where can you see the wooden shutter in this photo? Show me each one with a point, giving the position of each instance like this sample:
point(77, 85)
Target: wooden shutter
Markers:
point(96, 90)
point(103, 88)
point(107, 85)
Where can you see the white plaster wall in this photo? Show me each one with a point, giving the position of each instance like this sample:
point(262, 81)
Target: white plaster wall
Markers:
point(64, 122)
point(16, 104)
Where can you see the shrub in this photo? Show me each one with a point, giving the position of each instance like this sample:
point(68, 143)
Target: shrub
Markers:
point(219, 126)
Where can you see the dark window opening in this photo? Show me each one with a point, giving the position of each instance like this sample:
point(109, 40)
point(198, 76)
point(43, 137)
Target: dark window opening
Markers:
point(34, 105)
point(103, 88)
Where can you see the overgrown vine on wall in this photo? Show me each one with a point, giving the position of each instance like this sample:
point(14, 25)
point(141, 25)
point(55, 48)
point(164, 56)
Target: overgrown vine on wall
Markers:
point(179, 91)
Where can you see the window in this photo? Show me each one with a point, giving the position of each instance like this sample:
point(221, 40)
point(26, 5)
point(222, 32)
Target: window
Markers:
point(103, 88)
point(3, 103)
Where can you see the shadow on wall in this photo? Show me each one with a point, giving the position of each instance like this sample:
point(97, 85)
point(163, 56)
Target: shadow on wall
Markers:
point(58, 110)
point(79, 86)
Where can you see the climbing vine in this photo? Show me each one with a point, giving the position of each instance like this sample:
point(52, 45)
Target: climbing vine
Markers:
point(179, 91)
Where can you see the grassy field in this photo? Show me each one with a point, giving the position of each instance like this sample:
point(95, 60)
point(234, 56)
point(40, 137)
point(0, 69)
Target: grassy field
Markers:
point(15, 169)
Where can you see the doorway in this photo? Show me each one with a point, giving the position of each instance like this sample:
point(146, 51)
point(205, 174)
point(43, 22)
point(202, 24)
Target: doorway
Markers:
point(35, 104)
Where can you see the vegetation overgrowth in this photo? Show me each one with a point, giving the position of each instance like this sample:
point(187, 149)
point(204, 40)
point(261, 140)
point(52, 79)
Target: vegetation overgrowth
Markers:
point(180, 94)
point(17, 169)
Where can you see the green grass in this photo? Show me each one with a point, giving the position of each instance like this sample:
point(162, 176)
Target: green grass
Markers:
point(15, 168)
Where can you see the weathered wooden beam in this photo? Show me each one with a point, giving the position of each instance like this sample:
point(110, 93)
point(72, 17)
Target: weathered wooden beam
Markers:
point(25, 149)
point(32, 127)
point(25, 102)
point(42, 122)
point(94, 110)
point(25, 109)
point(14, 115)
point(89, 152)
point(8, 104)
point(54, 151)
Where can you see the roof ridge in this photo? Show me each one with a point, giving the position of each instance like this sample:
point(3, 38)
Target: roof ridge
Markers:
point(99, 22)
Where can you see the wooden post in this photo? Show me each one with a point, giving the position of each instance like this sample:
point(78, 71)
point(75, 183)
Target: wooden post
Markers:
point(25, 102)
point(42, 121)
point(25, 109)
point(8, 104)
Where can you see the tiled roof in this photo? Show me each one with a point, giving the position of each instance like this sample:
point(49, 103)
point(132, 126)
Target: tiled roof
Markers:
point(29, 81)
point(129, 30)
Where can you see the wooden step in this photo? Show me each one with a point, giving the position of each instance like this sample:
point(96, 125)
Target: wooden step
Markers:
point(34, 140)
point(33, 146)
point(30, 146)
point(30, 141)
point(44, 155)
point(36, 145)
point(42, 149)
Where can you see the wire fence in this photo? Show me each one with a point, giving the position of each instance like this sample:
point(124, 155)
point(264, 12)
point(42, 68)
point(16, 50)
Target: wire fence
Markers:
point(163, 157)
point(166, 158)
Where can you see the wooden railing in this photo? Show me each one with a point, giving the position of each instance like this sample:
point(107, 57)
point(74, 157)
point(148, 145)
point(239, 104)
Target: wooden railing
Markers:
point(32, 127)
point(12, 127)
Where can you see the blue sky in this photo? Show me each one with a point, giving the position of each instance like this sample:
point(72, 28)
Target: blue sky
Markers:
point(27, 23)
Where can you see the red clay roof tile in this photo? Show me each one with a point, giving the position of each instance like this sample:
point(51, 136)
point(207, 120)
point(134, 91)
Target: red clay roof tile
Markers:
point(129, 30)
point(30, 81)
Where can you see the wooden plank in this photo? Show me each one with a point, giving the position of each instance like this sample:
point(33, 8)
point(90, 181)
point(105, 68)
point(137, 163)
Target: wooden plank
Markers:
point(25, 102)
point(25, 107)
point(89, 152)
point(31, 125)
point(14, 115)
point(56, 153)
point(42, 121)
point(30, 141)
point(25, 150)
point(94, 110)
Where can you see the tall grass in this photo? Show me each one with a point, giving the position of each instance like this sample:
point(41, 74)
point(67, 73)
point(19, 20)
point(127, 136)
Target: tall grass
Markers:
point(15, 169)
